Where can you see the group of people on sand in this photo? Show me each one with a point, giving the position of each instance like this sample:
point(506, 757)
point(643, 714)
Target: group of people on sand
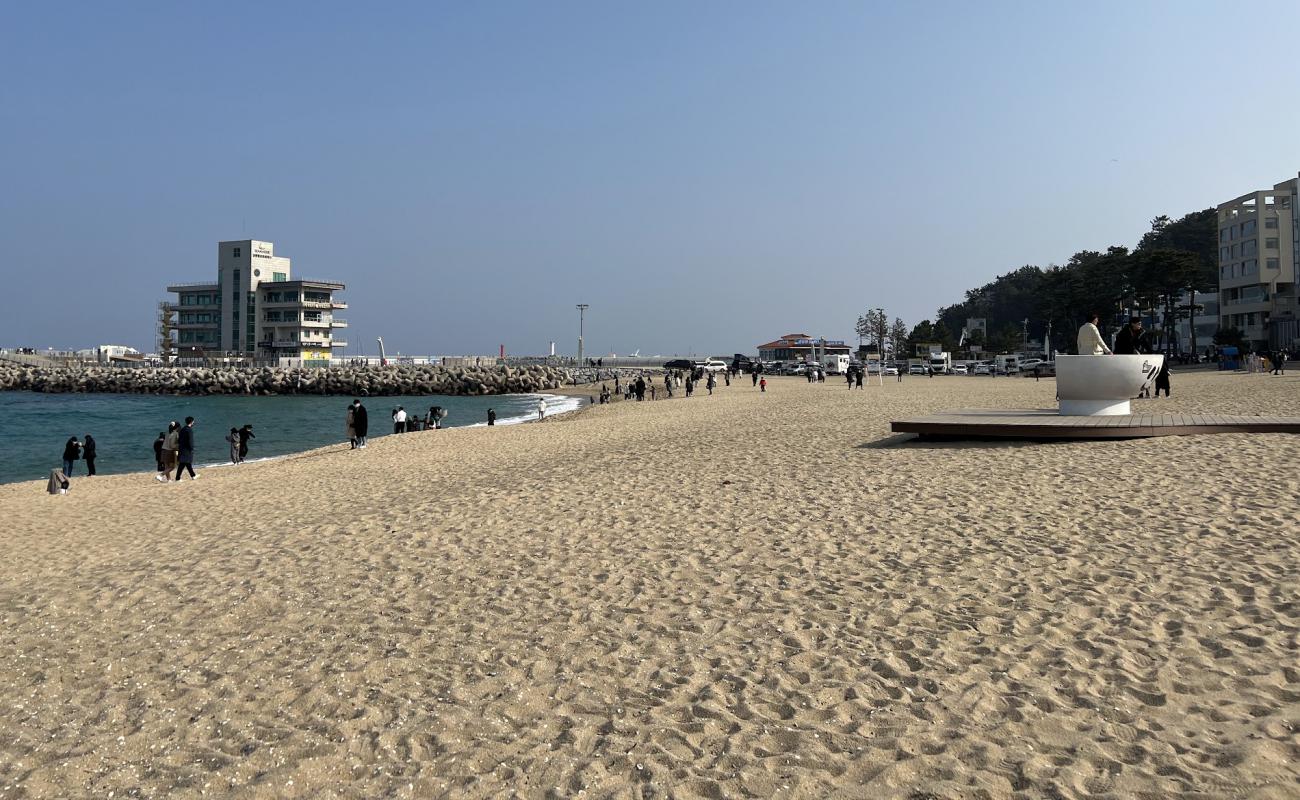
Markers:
point(1131, 340)
point(238, 441)
point(407, 422)
point(357, 421)
point(174, 450)
point(74, 451)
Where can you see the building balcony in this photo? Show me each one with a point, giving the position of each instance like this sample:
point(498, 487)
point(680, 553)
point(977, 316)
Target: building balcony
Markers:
point(198, 325)
point(337, 343)
point(338, 323)
point(313, 323)
point(338, 304)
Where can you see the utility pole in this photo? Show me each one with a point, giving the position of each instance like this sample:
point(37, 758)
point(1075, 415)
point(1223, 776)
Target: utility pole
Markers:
point(582, 311)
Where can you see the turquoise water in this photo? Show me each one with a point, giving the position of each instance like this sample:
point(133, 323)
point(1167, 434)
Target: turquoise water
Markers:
point(34, 426)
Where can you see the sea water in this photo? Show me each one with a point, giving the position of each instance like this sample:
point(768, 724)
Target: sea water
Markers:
point(34, 427)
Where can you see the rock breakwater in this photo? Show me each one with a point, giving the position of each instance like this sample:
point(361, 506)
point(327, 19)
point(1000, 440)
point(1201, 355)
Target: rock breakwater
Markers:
point(358, 381)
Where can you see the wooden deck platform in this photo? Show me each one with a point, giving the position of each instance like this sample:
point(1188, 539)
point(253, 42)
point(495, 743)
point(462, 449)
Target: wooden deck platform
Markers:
point(1045, 423)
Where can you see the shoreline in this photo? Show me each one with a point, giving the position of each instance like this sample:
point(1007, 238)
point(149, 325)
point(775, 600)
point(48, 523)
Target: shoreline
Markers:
point(560, 405)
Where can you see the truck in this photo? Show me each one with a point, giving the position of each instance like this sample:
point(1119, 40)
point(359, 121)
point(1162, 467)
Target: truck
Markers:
point(941, 363)
point(835, 364)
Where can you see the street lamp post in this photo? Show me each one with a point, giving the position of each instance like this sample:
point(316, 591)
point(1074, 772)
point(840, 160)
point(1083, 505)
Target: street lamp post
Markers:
point(582, 310)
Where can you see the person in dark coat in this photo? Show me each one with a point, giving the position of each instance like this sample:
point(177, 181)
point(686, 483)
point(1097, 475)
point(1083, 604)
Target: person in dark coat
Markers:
point(185, 450)
point(71, 454)
point(1162, 378)
point(360, 422)
point(1131, 339)
point(157, 450)
point(492, 417)
point(245, 433)
point(88, 453)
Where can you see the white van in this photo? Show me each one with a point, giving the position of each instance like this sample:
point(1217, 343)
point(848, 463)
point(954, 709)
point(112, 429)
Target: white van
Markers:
point(712, 365)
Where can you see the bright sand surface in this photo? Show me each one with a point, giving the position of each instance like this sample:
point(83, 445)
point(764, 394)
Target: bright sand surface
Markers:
point(742, 595)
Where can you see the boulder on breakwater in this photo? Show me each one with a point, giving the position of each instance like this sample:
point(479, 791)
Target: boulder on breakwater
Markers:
point(401, 379)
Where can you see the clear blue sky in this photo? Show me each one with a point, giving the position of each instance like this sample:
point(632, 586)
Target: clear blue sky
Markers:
point(706, 175)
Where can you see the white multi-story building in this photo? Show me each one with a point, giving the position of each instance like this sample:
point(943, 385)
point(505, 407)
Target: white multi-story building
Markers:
point(255, 309)
point(1259, 248)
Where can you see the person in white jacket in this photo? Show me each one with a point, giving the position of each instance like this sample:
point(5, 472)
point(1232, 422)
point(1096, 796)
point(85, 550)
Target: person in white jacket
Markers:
point(1090, 341)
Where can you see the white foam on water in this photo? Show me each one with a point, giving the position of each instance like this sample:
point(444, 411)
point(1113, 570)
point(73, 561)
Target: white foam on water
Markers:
point(555, 404)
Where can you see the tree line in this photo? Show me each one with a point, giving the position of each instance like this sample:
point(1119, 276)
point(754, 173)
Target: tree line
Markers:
point(1158, 279)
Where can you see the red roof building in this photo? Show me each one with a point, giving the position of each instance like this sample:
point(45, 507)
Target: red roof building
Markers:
point(800, 347)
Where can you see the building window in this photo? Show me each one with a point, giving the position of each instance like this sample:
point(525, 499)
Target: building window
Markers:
point(1271, 263)
point(235, 252)
point(1270, 244)
point(1248, 227)
point(279, 276)
point(1270, 223)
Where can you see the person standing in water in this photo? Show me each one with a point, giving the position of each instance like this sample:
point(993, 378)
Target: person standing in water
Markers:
point(88, 453)
point(492, 417)
point(71, 454)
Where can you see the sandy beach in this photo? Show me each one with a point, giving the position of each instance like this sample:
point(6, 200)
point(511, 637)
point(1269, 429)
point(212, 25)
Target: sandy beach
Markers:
point(743, 595)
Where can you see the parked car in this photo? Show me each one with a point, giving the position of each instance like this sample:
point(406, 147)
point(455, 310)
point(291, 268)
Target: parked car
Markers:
point(712, 365)
point(918, 369)
point(1027, 366)
point(1046, 369)
point(891, 370)
point(959, 369)
point(983, 369)
point(680, 363)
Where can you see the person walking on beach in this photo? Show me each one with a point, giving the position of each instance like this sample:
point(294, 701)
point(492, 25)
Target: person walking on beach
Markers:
point(185, 451)
point(245, 433)
point(350, 426)
point(88, 453)
point(360, 422)
point(754, 375)
point(71, 454)
point(690, 386)
point(158, 450)
point(233, 439)
point(1278, 358)
point(399, 420)
point(710, 383)
point(1089, 341)
point(492, 417)
point(541, 408)
point(170, 444)
point(858, 377)
point(762, 384)
point(640, 389)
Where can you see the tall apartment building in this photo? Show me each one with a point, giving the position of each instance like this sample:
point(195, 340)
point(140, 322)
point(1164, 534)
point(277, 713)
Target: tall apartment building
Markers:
point(1259, 248)
point(255, 309)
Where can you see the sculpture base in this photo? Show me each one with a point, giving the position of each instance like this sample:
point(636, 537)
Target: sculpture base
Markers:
point(1094, 408)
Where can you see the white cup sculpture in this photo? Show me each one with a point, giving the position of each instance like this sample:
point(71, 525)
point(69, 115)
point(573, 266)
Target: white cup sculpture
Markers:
point(1093, 386)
